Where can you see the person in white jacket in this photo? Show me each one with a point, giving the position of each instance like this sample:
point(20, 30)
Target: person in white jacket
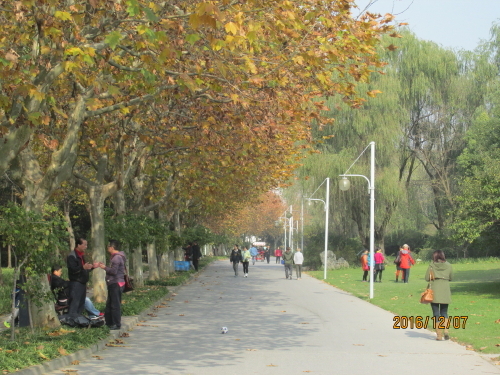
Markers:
point(298, 259)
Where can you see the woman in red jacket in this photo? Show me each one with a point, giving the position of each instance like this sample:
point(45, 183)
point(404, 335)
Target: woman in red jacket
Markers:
point(406, 262)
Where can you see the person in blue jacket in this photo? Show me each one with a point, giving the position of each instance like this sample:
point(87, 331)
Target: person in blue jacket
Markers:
point(254, 252)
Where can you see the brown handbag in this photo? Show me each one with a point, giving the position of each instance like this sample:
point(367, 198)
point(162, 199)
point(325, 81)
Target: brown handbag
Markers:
point(428, 294)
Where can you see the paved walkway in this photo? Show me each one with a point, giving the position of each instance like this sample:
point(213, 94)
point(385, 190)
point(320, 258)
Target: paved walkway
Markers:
point(276, 326)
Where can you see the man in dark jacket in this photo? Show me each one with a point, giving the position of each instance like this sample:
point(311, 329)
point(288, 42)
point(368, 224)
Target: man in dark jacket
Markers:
point(235, 258)
point(78, 273)
point(196, 254)
point(115, 280)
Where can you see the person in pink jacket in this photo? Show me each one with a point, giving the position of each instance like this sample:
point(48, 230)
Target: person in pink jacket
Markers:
point(406, 261)
point(379, 264)
point(278, 253)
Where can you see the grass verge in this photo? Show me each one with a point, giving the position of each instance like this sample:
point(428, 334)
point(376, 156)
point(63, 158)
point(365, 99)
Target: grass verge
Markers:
point(475, 296)
point(35, 348)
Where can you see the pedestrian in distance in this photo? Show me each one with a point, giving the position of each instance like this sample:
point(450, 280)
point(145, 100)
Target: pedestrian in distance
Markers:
point(267, 253)
point(288, 258)
point(245, 260)
point(379, 264)
point(298, 259)
point(278, 253)
point(79, 274)
point(406, 262)
point(439, 274)
point(254, 252)
point(235, 258)
point(364, 265)
point(196, 254)
point(115, 280)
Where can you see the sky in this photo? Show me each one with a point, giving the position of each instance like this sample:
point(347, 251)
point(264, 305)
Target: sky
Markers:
point(457, 24)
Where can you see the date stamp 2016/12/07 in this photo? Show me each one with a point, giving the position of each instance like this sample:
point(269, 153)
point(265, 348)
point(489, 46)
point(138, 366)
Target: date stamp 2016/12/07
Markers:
point(419, 322)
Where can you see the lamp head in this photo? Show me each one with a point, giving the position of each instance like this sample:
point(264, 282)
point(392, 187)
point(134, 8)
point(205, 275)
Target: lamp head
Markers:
point(344, 184)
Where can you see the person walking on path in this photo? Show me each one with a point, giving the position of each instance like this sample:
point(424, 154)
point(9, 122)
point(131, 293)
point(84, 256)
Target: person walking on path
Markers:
point(288, 258)
point(267, 253)
point(379, 264)
point(406, 262)
point(78, 273)
point(278, 253)
point(115, 280)
point(235, 258)
point(439, 274)
point(254, 252)
point(196, 254)
point(245, 260)
point(298, 259)
point(364, 264)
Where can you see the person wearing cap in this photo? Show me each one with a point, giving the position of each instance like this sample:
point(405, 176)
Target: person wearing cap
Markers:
point(406, 261)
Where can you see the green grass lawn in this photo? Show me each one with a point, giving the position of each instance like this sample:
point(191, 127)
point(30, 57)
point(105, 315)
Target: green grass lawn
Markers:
point(475, 295)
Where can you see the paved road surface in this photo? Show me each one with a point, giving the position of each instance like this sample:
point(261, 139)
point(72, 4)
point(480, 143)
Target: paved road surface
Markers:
point(276, 326)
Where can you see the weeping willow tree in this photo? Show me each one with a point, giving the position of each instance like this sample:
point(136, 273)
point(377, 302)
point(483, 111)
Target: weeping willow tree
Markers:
point(427, 97)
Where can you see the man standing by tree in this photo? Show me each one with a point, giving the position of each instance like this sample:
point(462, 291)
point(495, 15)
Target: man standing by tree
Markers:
point(78, 273)
point(115, 280)
point(196, 254)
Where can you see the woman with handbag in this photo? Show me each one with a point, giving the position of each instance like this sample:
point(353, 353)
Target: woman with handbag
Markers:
point(439, 274)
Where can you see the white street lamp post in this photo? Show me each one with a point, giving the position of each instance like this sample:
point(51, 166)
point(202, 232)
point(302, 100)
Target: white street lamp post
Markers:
point(344, 185)
point(326, 202)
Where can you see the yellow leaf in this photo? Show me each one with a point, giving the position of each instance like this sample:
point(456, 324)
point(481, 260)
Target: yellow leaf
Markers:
point(373, 93)
point(231, 27)
point(62, 351)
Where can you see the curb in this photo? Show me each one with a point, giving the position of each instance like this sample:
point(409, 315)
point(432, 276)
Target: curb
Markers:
point(129, 322)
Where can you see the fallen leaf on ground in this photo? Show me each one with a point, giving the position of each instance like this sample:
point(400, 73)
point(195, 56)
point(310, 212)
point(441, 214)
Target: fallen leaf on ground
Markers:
point(174, 294)
point(381, 355)
point(119, 341)
point(469, 347)
point(97, 357)
point(41, 355)
point(483, 347)
point(394, 298)
point(116, 346)
point(497, 321)
point(271, 365)
point(304, 323)
point(125, 334)
point(181, 314)
point(62, 351)
point(40, 347)
point(26, 343)
point(186, 301)
point(153, 315)
point(75, 362)
point(146, 325)
point(236, 339)
point(282, 311)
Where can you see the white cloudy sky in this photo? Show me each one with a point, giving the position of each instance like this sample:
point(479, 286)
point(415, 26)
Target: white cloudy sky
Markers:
point(458, 24)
